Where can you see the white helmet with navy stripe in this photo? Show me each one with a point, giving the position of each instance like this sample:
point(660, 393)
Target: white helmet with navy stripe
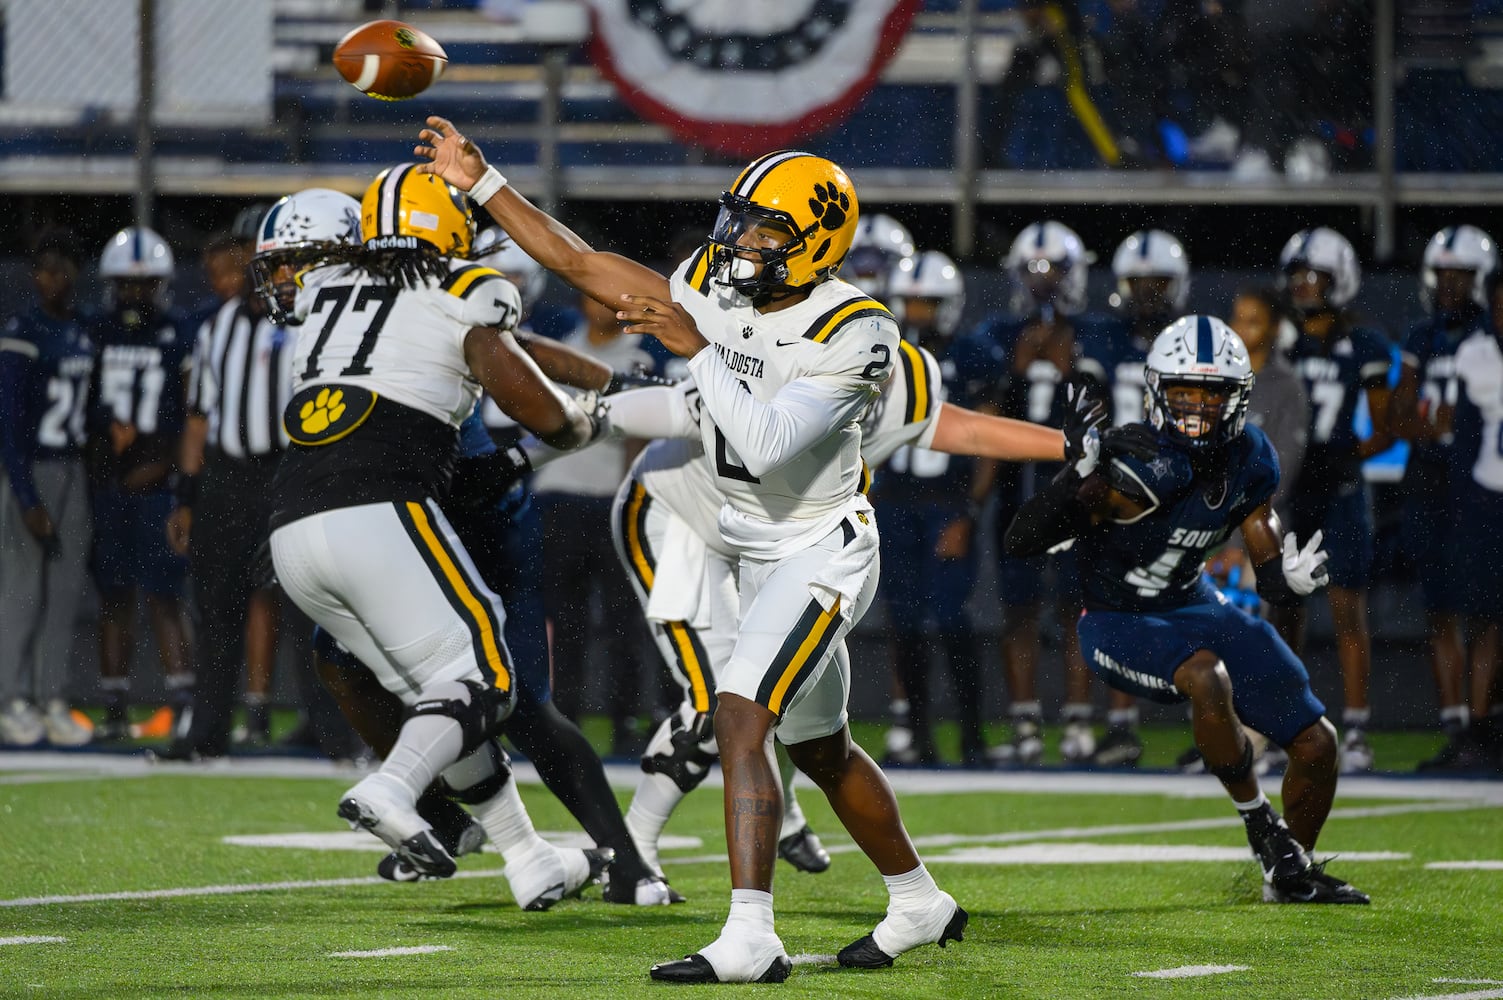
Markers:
point(929, 275)
point(1048, 263)
point(1327, 251)
point(495, 249)
point(136, 252)
point(304, 230)
point(1198, 352)
point(1458, 248)
point(879, 245)
point(1152, 253)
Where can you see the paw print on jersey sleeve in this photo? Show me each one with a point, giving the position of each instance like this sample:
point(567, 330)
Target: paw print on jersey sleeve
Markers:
point(321, 412)
point(829, 205)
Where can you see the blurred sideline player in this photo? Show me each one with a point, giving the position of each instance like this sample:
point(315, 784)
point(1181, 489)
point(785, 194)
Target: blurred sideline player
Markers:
point(1478, 511)
point(1457, 263)
point(782, 433)
point(1338, 362)
point(45, 360)
point(1047, 266)
point(1156, 628)
point(1153, 283)
point(929, 503)
point(391, 355)
point(684, 572)
point(142, 352)
point(879, 244)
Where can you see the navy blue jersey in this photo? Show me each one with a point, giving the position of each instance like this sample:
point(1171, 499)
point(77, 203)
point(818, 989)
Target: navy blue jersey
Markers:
point(1113, 352)
point(970, 370)
point(44, 391)
point(1431, 348)
point(1154, 563)
point(138, 380)
point(1337, 370)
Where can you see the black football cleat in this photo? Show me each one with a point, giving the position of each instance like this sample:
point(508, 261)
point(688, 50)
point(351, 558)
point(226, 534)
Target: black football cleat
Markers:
point(1315, 886)
point(650, 891)
point(803, 851)
point(864, 953)
point(696, 968)
point(1283, 860)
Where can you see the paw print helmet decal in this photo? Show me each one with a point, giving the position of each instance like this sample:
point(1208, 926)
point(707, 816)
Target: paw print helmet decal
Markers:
point(795, 213)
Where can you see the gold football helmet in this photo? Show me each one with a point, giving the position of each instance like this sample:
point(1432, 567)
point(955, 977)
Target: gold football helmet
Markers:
point(402, 207)
point(796, 213)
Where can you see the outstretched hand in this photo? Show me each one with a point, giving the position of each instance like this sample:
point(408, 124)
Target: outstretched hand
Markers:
point(667, 321)
point(1305, 568)
point(450, 156)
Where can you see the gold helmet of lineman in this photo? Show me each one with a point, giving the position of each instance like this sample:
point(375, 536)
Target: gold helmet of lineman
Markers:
point(795, 213)
point(402, 208)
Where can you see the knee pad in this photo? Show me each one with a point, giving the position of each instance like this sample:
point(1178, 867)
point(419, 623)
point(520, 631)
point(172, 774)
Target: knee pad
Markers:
point(682, 750)
point(478, 777)
point(479, 710)
point(1240, 770)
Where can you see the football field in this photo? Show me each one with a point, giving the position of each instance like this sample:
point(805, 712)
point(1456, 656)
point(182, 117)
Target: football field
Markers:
point(121, 878)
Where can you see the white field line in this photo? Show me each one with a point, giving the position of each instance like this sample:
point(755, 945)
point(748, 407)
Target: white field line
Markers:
point(812, 959)
point(417, 949)
point(1085, 853)
point(907, 781)
point(1191, 971)
point(224, 890)
point(1476, 995)
point(1119, 829)
point(1469, 982)
point(34, 939)
point(1465, 866)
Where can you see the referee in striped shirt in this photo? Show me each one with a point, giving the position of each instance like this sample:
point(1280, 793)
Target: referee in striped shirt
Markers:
point(241, 382)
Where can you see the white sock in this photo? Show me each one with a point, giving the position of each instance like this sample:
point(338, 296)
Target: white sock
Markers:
point(1076, 711)
point(1355, 718)
point(426, 745)
point(1126, 718)
point(793, 815)
point(911, 889)
point(1257, 803)
point(656, 797)
point(751, 911)
point(748, 928)
point(507, 824)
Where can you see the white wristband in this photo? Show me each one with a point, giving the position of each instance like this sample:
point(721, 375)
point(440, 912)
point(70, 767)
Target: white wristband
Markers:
point(486, 187)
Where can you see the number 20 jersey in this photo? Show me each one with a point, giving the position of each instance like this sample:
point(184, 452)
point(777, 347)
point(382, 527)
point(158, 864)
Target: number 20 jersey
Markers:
point(1153, 563)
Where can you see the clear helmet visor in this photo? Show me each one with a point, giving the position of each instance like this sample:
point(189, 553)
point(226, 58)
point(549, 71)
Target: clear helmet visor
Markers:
point(747, 235)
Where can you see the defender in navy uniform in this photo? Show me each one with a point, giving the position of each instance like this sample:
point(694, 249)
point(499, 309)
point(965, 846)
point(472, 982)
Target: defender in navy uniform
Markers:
point(1155, 628)
point(1153, 281)
point(1338, 362)
point(45, 359)
point(142, 350)
point(1047, 265)
point(1453, 278)
point(930, 501)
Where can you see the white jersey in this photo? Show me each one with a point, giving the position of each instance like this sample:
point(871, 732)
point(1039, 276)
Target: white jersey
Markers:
point(406, 345)
point(1479, 367)
point(674, 473)
point(781, 395)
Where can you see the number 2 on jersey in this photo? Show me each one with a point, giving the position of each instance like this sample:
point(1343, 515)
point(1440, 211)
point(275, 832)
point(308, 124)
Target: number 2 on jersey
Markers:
point(384, 295)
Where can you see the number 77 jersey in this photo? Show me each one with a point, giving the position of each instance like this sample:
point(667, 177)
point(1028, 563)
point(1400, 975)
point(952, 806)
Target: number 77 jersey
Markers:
point(402, 344)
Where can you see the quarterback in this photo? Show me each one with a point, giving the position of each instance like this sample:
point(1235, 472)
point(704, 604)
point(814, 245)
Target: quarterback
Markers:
point(786, 358)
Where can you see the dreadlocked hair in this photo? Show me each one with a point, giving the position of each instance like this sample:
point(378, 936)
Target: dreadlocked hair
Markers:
point(408, 267)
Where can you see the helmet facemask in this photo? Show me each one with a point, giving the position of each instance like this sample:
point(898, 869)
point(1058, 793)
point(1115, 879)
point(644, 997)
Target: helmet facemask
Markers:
point(1203, 412)
point(275, 273)
point(747, 234)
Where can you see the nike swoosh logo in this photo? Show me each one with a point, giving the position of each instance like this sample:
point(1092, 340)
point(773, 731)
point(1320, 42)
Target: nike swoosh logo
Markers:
point(785, 343)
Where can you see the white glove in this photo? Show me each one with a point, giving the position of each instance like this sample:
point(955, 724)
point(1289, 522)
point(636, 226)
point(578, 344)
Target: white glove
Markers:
point(1090, 453)
point(1305, 568)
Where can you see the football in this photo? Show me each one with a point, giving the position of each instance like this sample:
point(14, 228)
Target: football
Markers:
point(389, 60)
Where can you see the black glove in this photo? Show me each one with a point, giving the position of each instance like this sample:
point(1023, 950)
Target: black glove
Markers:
point(482, 480)
point(1083, 414)
point(1130, 441)
point(637, 379)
